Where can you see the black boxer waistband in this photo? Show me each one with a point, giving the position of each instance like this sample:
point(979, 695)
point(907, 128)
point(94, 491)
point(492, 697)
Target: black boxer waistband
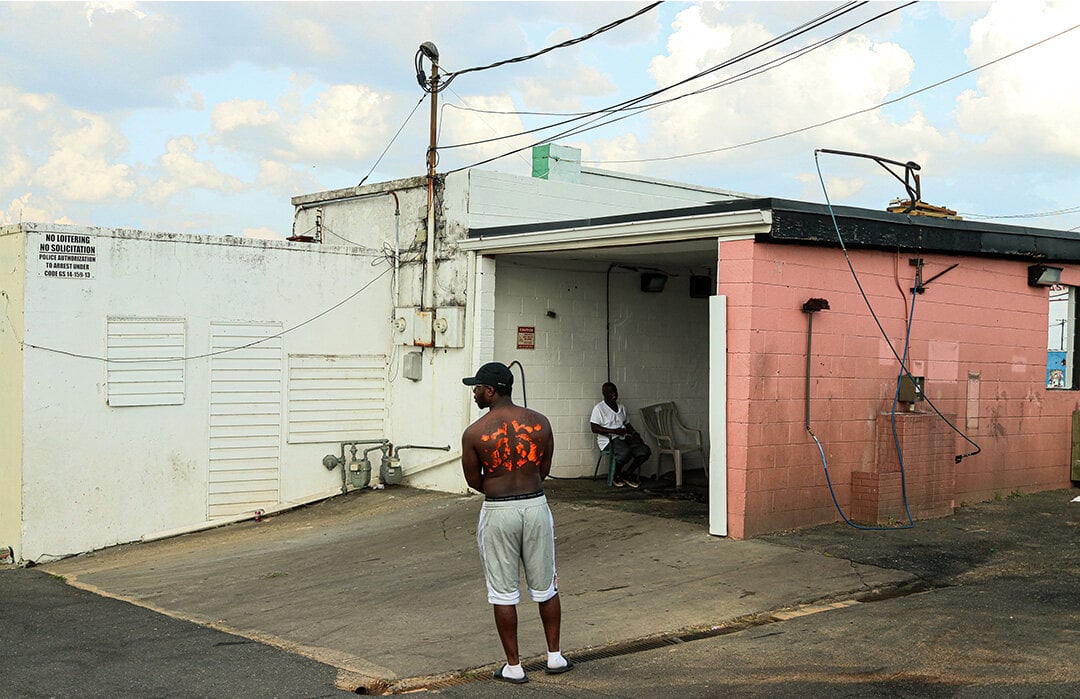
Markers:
point(508, 498)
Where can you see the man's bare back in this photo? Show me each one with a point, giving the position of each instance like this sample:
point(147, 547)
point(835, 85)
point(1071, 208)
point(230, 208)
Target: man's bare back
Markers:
point(511, 447)
point(507, 451)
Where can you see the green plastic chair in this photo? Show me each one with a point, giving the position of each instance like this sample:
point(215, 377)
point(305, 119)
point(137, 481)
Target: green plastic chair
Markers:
point(610, 453)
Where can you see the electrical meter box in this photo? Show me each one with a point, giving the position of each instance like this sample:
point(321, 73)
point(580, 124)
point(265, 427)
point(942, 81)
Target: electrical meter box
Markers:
point(449, 326)
point(412, 326)
point(911, 389)
point(411, 366)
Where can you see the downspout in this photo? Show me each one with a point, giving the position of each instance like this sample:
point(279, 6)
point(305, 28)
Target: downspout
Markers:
point(811, 307)
point(397, 243)
point(429, 268)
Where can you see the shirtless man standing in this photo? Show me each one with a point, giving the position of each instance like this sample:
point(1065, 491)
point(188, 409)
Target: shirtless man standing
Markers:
point(506, 455)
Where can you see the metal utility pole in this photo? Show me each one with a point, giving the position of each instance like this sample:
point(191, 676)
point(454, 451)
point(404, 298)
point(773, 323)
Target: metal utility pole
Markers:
point(432, 53)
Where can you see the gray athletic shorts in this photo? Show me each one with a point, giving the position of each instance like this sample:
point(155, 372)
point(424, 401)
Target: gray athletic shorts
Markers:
point(511, 532)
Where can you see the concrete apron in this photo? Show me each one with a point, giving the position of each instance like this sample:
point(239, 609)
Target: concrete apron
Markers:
point(387, 585)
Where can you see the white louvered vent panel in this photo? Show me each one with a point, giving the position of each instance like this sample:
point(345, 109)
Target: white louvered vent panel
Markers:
point(245, 418)
point(332, 398)
point(146, 365)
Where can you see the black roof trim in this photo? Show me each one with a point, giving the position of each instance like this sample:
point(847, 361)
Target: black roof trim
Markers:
point(803, 222)
point(808, 223)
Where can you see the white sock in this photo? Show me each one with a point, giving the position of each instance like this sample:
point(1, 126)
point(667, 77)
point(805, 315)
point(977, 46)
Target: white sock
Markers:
point(515, 672)
point(556, 659)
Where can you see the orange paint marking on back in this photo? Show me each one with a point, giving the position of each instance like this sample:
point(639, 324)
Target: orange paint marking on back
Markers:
point(502, 455)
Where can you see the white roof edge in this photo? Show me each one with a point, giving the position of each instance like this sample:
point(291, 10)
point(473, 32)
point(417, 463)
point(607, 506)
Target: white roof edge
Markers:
point(666, 183)
point(99, 232)
point(714, 225)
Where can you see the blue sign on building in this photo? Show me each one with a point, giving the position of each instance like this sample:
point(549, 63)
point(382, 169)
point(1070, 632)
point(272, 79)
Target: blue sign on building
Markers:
point(1055, 369)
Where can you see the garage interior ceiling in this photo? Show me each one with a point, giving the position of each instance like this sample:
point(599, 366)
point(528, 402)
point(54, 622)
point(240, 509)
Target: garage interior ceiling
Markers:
point(683, 254)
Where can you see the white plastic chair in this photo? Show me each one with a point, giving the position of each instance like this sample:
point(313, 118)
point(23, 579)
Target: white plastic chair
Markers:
point(672, 436)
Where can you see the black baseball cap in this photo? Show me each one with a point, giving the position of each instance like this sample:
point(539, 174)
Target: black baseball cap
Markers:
point(492, 374)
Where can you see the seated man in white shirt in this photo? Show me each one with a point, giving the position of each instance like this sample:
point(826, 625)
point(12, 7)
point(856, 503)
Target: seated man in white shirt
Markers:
point(612, 428)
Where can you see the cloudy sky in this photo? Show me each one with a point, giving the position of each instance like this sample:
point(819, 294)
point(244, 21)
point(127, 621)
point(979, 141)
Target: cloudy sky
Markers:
point(208, 117)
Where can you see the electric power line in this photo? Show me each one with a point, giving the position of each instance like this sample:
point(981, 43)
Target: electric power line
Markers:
point(750, 72)
point(400, 129)
point(630, 103)
point(227, 350)
point(485, 122)
point(451, 75)
point(839, 118)
point(1040, 214)
point(774, 42)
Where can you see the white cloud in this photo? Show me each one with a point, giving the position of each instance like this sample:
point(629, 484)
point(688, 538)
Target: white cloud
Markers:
point(182, 170)
point(623, 147)
point(234, 114)
point(283, 180)
point(564, 80)
point(53, 158)
point(967, 9)
point(57, 151)
point(24, 209)
point(565, 94)
point(345, 122)
point(1018, 104)
point(93, 8)
point(469, 127)
point(845, 76)
point(15, 168)
point(840, 189)
point(313, 37)
point(79, 168)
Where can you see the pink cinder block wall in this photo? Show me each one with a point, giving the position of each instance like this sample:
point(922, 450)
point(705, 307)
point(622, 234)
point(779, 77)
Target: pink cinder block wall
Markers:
point(979, 338)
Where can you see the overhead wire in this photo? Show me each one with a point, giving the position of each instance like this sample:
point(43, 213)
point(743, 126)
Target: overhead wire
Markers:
point(592, 124)
point(877, 321)
point(216, 353)
point(631, 103)
point(738, 77)
point(775, 63)
point(363, 248)
point(493, 129)
point(909, 321)
point(636, 109)
point(1040, 214)
point(398, 133)
point(449, 76)
point(833, 120)
point(902, 360)
point(517, 112)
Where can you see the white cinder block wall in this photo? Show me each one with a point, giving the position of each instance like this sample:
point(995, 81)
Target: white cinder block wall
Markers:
point(93, 474)
point(659, 349)
point(436, 409)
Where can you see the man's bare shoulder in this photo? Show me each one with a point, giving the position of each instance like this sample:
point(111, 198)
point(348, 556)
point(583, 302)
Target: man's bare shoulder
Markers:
point(525, 415)
point(476, 429)
point(499, 418)
point(540, 418)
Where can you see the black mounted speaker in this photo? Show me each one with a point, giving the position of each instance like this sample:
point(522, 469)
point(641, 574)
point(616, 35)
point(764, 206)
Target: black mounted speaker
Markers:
point(701, 286)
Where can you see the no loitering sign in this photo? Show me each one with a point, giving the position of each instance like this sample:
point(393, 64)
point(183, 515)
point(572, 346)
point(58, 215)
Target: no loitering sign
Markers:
point(67, 256)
